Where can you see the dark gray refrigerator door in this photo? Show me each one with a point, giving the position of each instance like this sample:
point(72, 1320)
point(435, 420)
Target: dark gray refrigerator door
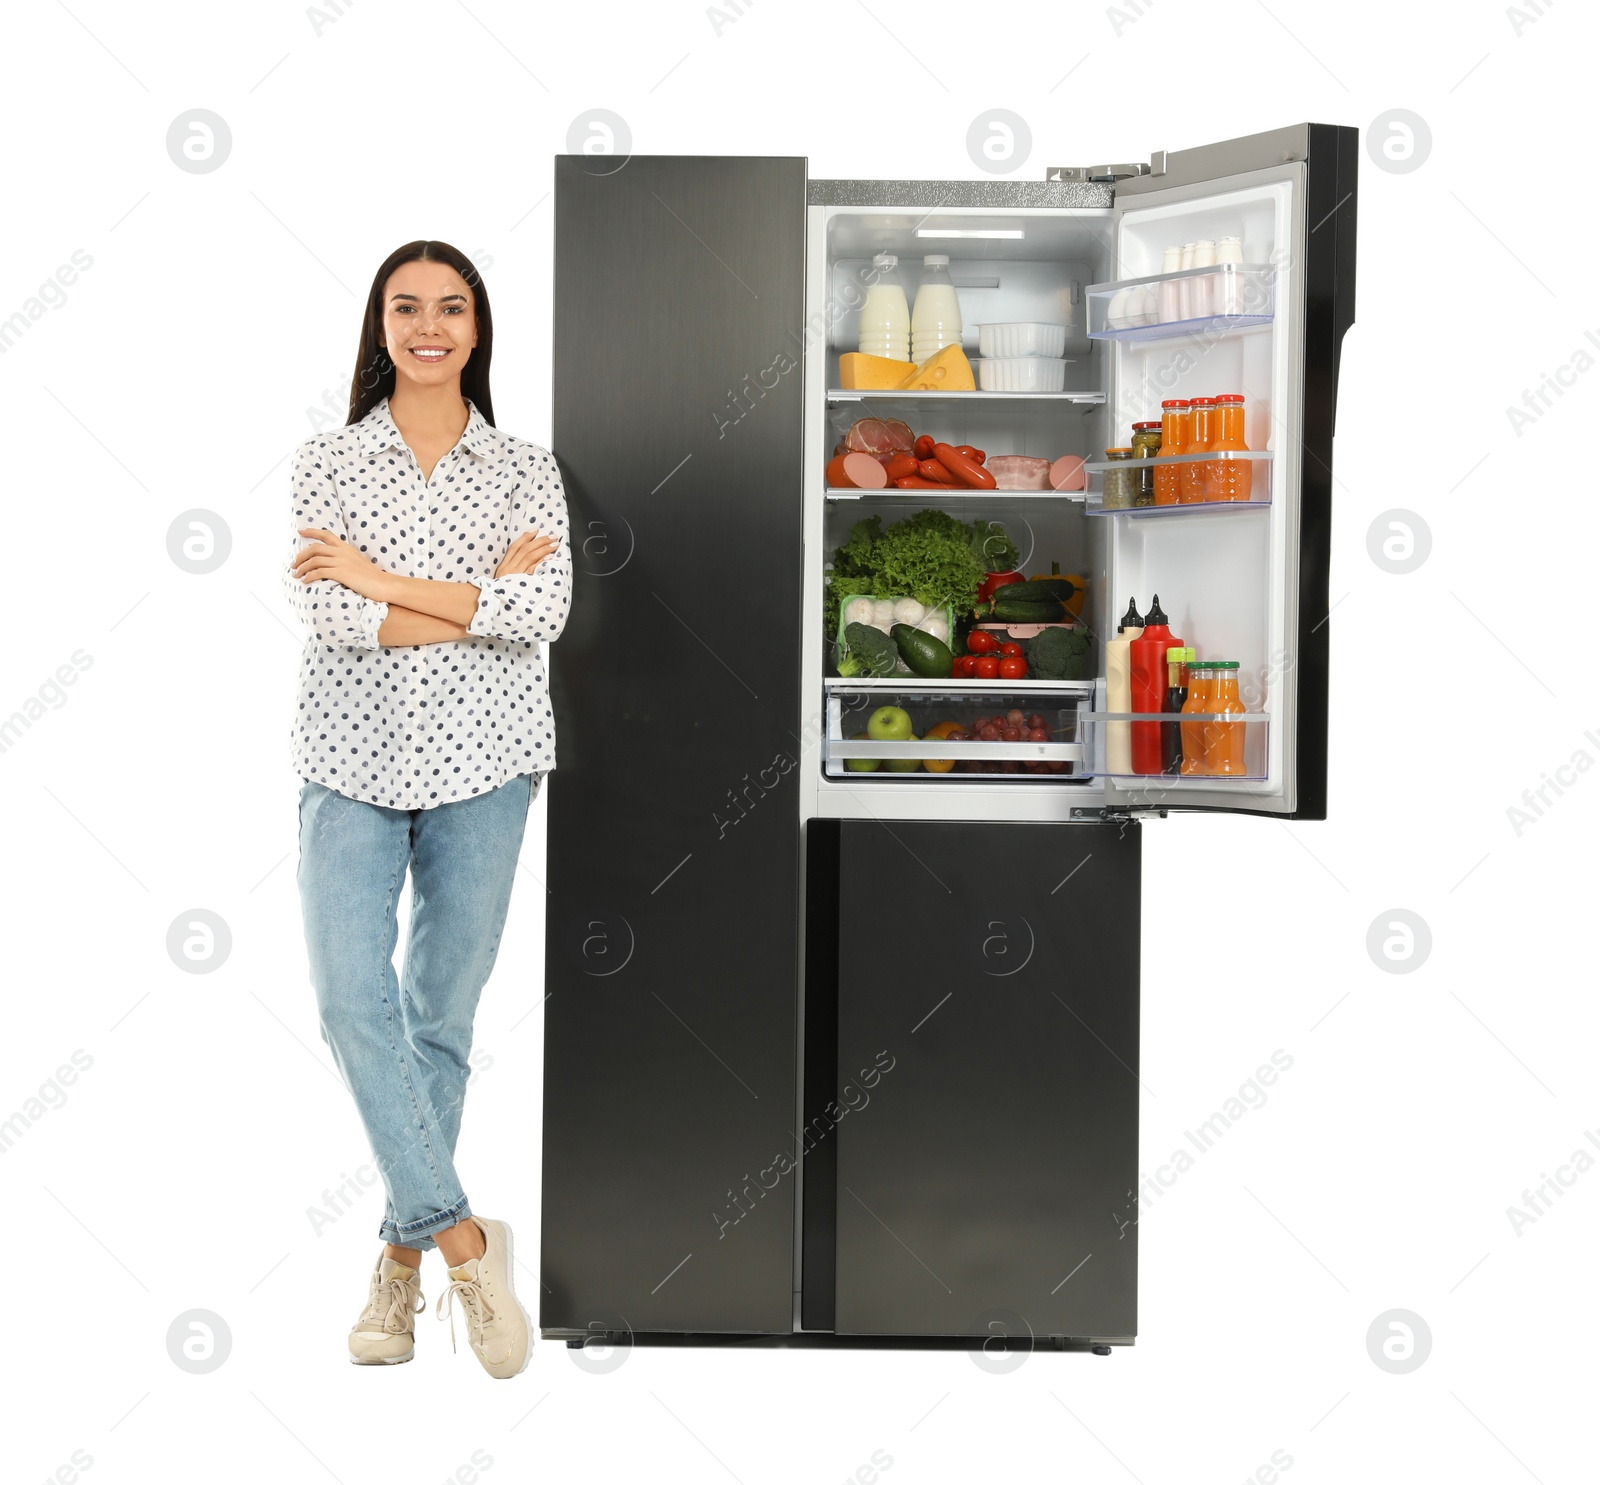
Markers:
point(672, 933)
point(987, 1123)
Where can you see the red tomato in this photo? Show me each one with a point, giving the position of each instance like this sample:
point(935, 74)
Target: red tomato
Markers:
point(1013, 668)
point(965, 666)
point(1011, 650)
point(986, 667)
point(981, 642)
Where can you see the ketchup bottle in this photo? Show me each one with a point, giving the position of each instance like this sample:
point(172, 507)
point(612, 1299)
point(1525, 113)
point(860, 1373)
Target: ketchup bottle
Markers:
point(1148, 663)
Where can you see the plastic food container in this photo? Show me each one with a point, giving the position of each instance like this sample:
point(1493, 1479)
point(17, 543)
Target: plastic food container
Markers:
point(1021, 338)
point(946, 612)
point(1020, 374)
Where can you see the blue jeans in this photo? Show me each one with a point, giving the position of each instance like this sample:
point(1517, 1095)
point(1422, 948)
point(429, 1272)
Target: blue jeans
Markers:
point(401, 1045)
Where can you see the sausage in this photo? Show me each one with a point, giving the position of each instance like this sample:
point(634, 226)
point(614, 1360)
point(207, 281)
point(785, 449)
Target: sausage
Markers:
point(913, 482)
point(900, 466)
point(1067, 473)
point(923, 448)
point(932, 469)
point(976, 455)
point(965, 470)
point(855, 472)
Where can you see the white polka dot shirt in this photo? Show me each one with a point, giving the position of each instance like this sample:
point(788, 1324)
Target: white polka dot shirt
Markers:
point(414, 726)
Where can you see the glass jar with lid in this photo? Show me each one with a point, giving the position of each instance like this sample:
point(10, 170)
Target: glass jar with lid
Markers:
point(1146, 445)
point(1119, 488)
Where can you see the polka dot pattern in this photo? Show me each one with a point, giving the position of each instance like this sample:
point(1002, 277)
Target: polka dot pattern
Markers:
point(415, 726)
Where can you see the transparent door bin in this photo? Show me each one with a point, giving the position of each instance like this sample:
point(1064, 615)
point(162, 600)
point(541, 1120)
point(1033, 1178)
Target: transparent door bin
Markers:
point(1022, 761)
point(1100, 728)
point(1208, 301)
point(1095, 497)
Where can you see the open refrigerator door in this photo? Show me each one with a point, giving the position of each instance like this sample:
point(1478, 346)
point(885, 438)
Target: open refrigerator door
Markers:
point(1233, 287)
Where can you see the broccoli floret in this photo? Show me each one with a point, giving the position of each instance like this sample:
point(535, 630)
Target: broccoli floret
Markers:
point(1058, 654)
point(866, 651)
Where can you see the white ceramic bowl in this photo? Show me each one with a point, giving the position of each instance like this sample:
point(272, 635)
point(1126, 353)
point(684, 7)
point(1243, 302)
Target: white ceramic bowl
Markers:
point(1021, 374)
point(1021, 338)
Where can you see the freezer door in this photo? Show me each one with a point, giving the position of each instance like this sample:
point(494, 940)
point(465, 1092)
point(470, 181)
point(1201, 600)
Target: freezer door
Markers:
point(672, 936)
point(1246, 583)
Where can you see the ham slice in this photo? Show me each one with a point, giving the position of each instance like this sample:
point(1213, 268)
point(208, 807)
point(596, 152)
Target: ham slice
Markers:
point(883, 437)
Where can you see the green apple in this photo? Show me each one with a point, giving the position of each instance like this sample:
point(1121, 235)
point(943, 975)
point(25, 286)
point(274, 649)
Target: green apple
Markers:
point(889, 724)
point(904, 765)
point(861, 765)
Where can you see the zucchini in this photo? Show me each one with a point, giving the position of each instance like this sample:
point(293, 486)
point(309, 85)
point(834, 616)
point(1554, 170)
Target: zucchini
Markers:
point(927, 656)
point(1042, 587)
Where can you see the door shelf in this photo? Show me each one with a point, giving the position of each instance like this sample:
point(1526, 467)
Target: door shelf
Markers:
point(1097, 728)
point(1213, 301)
point(1260, 461)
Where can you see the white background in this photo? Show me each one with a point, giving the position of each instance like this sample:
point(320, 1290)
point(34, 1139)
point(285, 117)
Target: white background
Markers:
point(179, 372)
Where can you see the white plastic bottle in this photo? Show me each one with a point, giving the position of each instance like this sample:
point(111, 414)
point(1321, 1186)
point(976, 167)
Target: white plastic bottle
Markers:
point(885, 319)
point(936, 319)
point(1205, 284)
point(1170, 296)
point(1119, 692)
point(1230, 294)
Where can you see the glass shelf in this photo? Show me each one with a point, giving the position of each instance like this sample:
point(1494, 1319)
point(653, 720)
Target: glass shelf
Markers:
point(959, 689)
point(1098, 725)
point(951, 494)
point(837, 395)
point(1219, 299)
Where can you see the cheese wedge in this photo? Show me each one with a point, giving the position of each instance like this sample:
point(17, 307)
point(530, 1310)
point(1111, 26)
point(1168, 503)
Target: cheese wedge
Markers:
point(859, 373)
point(946, 371)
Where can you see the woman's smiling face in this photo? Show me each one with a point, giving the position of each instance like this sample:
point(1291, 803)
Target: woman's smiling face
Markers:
point(430, 322)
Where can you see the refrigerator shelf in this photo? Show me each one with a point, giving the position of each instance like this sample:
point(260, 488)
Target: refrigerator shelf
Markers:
point(956, 689)
point(1260, 491)
point(950, 497)
point(938, 748)
point(1209, 327)
point(837, 395)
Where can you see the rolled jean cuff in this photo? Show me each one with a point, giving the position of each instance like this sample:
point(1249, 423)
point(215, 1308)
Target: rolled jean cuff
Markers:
point(419, 1234)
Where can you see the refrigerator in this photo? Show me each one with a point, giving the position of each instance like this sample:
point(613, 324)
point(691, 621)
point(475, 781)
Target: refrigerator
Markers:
point(838, 1057)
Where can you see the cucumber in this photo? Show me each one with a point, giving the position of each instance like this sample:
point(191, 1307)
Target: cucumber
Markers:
point(928, 657)
point(1042, 587)
point(1027, 610)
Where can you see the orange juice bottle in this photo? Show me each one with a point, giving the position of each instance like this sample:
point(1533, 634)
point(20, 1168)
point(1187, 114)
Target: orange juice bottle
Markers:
point(1199, 700)
point(1230, 478)
point(1176, 424)
point(1196, 483)
point(1224, 741)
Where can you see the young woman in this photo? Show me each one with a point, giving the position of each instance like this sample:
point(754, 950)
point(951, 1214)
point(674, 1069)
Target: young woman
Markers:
point(430, 557)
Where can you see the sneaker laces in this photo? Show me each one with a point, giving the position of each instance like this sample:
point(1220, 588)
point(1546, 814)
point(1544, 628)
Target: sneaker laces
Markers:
point(474, 1302)
point(390, 1303)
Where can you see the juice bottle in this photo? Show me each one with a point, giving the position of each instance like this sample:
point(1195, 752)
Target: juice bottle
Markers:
point(1225, 740)
point(1196, 482)
point(1198, 700)
point(936, 316)
point(1176, 422)
point(1148, 664)
point(885, 319)
point(1230, 478)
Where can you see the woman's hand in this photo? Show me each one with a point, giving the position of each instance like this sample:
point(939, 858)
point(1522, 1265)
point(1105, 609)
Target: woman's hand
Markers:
point(330, 558)
point(525, 554)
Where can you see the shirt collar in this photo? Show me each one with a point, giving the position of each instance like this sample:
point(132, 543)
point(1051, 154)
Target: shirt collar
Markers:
point(377, 433)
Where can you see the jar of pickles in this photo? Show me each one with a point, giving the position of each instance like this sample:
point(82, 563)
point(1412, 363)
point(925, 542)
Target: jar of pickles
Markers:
point(1119, 488)
point(1146, 445)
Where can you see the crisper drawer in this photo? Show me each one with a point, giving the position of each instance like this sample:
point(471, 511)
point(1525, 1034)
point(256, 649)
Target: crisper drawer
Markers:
point(894, 729)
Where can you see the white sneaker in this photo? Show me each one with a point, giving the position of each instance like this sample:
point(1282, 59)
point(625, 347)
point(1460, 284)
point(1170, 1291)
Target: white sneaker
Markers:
point(498, 1327)
point(384, 1334)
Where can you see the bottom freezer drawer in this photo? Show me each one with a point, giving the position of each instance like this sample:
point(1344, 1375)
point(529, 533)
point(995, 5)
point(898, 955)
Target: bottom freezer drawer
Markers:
point(985, 1120)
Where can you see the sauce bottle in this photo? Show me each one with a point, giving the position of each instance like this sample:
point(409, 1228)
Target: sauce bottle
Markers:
point(1193, 733)
point(1225, 740)
point(1148, 667)
point(1230, 478)
point(1178, 658)
point(1176, 423)
point(1196, 484)
point(1119, 692)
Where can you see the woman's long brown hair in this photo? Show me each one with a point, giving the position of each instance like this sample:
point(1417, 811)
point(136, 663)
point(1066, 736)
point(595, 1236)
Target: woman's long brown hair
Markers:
point(374, 375)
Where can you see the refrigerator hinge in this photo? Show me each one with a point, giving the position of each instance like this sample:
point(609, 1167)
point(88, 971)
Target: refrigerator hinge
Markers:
point(1112, 813)
point(1108, 174)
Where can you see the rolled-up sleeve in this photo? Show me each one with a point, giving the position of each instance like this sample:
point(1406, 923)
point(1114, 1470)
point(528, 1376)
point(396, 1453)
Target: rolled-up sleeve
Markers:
point(530, 606)
point(329, 612)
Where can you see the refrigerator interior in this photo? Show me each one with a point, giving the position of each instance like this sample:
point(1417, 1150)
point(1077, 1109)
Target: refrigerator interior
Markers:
point(1222, 572)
